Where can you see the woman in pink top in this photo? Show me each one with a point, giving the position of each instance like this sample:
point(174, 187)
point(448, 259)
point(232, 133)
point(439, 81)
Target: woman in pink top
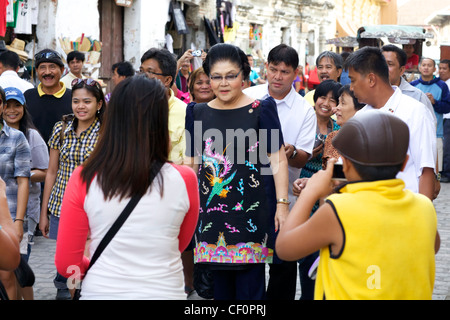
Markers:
point(143, 259)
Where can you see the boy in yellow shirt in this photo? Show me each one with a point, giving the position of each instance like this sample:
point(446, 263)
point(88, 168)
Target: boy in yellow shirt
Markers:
point(377, 240)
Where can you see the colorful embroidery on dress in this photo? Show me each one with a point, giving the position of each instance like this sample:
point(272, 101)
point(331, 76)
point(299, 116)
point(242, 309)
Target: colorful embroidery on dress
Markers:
point(221, 208)
point(233, 229)
point(220, 166)
point(253, 206)
point(253, 228)
point(220, 252)
point(239, 206)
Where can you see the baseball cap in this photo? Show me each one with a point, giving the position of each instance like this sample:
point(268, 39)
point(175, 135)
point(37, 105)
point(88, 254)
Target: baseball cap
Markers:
point(14, 93)
point(373, 138)
point(48, 55)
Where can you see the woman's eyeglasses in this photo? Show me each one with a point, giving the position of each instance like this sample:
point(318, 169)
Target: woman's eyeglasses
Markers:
point(228, 77)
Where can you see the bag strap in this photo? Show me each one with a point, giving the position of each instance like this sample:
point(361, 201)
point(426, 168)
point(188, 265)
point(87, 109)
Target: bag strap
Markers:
point(118, 223)
point(114, 228)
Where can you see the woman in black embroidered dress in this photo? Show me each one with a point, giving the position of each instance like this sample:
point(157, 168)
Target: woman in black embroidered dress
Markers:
point(236, 146)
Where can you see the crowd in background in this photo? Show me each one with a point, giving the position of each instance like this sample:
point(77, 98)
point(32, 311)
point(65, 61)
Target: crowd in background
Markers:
point(210, 209)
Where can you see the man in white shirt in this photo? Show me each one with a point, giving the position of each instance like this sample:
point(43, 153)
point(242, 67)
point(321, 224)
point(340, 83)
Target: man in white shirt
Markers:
point(298, 124)
point(369, 75)
point(9, 66)
point(75, 60)
point(396, 60)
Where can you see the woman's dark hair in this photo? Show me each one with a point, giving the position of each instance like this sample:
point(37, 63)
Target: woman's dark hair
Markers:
point(192, 78)
point(134, 139)
point(227, 52)
point(93, 87)
point(356, 103)
point(325, 87)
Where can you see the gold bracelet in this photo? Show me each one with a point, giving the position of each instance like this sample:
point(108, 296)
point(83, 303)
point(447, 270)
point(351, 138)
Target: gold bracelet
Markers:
point(283, 201)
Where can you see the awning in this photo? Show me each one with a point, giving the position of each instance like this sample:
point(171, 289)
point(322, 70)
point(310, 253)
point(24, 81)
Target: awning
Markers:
point(394, 32)
point(439, 17)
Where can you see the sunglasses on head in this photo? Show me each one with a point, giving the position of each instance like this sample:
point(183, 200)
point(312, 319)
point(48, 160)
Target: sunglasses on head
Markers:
point(47, 55)
point(89, 82)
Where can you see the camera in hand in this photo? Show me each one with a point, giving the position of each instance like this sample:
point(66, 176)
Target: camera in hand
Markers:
point(338, 172)
point(197, 53)
point(320, 139)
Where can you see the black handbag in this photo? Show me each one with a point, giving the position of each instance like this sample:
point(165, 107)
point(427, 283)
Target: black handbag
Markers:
point(24, 274)
point(109, 235)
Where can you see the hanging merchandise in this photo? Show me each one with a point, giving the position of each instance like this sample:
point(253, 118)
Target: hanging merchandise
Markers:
point(34, 7)
point(23, 22)
point(178, 17)
point(11, 13)
point(3, 20)
point(212, 35)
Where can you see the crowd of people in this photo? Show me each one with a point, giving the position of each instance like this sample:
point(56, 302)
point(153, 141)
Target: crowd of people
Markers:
point(183, 181)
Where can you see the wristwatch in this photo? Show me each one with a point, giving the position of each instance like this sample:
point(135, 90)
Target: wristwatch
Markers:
point(283, 201)
point(293, 154)
point(438, 176)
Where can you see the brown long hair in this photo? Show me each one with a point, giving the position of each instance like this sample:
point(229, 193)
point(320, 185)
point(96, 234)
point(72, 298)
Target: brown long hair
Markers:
point(134, 139)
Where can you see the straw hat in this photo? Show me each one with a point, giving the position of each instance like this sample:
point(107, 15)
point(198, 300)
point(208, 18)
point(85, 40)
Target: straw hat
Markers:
point(18, 46)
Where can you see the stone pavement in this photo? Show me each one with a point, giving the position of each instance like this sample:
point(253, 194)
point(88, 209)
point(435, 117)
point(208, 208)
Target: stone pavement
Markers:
point(42, 256)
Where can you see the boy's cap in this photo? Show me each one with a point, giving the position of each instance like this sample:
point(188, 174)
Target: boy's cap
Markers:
point(14, 93)
point(48, 55)
point(373, 138)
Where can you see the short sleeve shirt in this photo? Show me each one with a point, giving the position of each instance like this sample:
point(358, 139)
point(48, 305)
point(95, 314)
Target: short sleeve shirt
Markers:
point(15, 161)
point(72, 153)
point(422, 141)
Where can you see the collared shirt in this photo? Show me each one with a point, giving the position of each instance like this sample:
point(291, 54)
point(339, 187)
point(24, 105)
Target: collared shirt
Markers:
point(422, 135)
point(73, 152)
point(58, 94)
point(298, 123)
point(10, 78)
point(15, 161)
point(417, 94)
point(177, 117)
point(68, 78)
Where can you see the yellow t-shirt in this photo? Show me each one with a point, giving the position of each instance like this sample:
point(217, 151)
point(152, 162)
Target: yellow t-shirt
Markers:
point(388, 252)
point(177, 118)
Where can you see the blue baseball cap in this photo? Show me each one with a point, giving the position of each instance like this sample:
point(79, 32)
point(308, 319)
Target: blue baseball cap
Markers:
point(14, 93)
